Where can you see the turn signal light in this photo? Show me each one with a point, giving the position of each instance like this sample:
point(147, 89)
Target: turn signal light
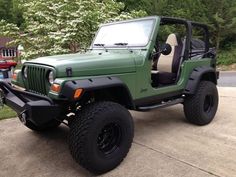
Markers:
point(78, 93)
point(56, 88)
point(14, 76)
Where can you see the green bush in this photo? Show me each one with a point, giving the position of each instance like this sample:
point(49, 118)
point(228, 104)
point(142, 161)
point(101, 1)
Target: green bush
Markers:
point(226, 57)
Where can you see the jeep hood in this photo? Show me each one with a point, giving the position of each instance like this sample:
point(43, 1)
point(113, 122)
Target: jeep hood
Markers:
point(91, 63)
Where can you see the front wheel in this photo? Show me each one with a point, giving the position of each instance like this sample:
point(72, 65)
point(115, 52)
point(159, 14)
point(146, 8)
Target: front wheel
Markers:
point(101, 136)
point(200, 108)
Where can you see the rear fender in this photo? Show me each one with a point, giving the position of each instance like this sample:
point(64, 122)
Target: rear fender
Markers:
point(199, 74)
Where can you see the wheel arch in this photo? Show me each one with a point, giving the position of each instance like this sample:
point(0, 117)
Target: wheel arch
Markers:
point(199, 74)
point(102, 89)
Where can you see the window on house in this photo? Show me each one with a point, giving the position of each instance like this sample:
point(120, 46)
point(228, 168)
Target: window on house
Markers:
point(8, 53)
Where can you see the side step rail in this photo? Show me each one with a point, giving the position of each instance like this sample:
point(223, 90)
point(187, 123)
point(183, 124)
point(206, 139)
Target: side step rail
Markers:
point(161, 105)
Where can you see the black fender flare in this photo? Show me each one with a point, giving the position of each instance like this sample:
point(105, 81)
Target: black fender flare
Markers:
point(95, 84)
point(198, 74)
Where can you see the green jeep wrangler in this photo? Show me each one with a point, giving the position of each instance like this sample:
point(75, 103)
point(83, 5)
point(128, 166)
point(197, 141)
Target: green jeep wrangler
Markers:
point(140, 64)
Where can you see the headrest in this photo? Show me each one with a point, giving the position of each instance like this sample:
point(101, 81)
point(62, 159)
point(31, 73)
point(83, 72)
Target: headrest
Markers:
point(172, 40)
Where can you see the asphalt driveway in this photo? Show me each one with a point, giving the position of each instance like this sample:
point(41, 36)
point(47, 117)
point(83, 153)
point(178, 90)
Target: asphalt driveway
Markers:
point(227, 79)
point(164, 145)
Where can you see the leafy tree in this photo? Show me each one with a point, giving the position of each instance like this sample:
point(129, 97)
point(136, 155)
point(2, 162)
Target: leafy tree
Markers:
point(136, 5)
point(219, 14)
point(10, 11)
point(9, 29)
point(65, 26)
point(61, 26)
point(17, 14)
point(222, 18)
point(6, 9)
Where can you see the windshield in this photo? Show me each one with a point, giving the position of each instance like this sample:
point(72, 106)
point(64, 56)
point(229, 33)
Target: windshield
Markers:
point(135, 33)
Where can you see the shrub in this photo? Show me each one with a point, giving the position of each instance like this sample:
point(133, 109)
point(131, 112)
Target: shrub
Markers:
point(226, 57)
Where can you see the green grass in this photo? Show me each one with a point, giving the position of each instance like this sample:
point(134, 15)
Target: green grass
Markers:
point(6, 113)
point(226, 57)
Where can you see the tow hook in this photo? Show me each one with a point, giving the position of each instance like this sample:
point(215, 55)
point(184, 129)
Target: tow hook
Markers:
point(23, 118)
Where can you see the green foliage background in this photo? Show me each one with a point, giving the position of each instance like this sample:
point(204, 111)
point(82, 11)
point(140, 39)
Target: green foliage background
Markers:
point(63, 26)
point(59, 26)
point(220, 15)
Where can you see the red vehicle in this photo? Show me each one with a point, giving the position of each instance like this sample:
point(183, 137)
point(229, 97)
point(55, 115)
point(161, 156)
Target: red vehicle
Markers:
point(4, 64)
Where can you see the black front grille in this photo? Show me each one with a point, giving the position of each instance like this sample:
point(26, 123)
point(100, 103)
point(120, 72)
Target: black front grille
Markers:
point(36, 79)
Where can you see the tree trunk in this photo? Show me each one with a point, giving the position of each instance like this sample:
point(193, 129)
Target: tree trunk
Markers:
point(218, 40)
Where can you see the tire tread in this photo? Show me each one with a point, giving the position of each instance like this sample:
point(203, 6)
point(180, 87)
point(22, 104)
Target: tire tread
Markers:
point(192, 104)
point(79, 129)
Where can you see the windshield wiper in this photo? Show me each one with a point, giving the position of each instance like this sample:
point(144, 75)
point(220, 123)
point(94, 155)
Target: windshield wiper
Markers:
point(101, 45)
point(124, 44)
point(121, 44)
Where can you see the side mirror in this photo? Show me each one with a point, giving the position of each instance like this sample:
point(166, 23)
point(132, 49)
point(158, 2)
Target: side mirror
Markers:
point(166, 49)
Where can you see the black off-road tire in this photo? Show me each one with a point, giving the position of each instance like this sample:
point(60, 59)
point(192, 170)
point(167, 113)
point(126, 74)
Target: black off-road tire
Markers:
point(200, 108)
point(100, 136)
point(45, 127)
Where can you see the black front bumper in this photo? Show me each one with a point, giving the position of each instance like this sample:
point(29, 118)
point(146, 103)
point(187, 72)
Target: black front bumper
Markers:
point(31, 107)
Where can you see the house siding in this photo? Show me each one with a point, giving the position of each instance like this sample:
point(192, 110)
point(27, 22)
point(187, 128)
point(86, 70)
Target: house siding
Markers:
point(7, 53)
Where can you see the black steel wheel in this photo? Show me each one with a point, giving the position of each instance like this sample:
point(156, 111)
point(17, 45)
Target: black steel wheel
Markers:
point(100, 136)
point(109, 138)
point(208, 103)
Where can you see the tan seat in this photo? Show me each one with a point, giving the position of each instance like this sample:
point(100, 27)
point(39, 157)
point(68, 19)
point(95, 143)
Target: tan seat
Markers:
point(165, 62)
point(168, 65)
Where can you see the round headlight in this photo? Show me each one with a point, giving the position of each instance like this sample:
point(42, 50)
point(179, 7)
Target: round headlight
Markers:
point(25, 72)
point(51, 77)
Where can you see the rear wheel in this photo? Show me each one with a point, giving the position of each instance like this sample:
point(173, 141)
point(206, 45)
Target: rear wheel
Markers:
point(200, 109)
point(101, 136)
